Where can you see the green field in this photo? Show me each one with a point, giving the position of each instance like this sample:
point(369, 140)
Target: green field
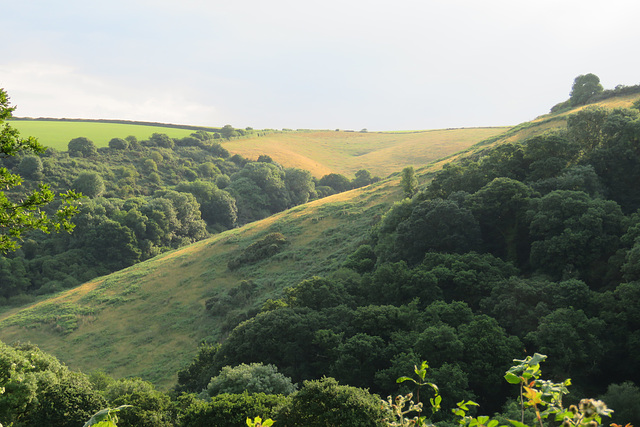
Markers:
point(320, 152)
point(57, 134)
point(381, 153)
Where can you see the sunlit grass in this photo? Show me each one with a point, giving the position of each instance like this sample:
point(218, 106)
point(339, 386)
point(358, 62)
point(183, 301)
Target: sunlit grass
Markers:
point(381, 153)
point(57, 134)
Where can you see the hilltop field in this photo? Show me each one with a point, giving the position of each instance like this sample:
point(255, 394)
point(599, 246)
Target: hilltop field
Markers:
point(320, 152)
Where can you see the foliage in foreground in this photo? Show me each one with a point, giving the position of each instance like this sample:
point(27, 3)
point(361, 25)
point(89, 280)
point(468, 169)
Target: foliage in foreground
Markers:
point(325, 403)
point(19, 215)
point(543, 397)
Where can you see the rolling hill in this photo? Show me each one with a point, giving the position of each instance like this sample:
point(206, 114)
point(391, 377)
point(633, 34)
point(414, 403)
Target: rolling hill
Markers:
point(321, 152)
point(381, 153)
point(148, 319)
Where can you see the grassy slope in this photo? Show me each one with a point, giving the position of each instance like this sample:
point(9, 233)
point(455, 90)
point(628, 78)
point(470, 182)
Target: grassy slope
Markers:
point(381, 153)
point(321, 152)
point(147, 320)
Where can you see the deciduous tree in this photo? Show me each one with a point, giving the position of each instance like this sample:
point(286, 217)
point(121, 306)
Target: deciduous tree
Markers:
point(82, 147)
point(584, 87)
point(25, 213)
point(409, 182)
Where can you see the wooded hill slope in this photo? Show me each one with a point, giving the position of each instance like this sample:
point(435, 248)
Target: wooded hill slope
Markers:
point(148, 320)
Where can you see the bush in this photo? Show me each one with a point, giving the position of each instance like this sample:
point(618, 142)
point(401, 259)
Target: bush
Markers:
point(68, 403)
point(118, 144)
point(82, 147)
point(150, 408)
point(362, 260)
point(623, 399)
point(231, 410)
point(30, 167)
point(252, 378)
point(322, 403)
point(257, 251)
point(90, 184)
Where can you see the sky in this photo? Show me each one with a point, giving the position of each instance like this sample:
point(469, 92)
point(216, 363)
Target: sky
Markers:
point(307, 64)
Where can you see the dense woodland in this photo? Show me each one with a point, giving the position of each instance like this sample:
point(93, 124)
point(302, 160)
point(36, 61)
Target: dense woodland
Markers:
point(521, 248)
point(524, 248)
point(143, 198)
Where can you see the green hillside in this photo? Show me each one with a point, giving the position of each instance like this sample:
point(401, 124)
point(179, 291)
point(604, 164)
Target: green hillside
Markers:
point(381, 153)
point(320, 152)
point(148, 320)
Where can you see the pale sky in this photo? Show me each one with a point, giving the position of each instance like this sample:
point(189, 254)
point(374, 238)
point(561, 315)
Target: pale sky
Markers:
point(347, 64)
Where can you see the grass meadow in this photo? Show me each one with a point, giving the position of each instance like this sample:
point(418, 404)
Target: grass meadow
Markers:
point(381, 153)
point(57, 134)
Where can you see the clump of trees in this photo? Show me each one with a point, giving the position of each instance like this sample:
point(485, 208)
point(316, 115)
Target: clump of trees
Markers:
point(264, 248)
point(586, 89)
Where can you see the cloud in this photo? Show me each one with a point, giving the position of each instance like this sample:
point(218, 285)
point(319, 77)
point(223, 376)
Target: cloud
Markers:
point(378, 64)
point(58, 90)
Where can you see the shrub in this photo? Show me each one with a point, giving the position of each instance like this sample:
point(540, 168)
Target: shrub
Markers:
point(90, 184)
point(118, 144)
point(252, 378)
point(82, 147)
point(324, 402)
point(257, 251)
point(30, 166)
point(231, 410)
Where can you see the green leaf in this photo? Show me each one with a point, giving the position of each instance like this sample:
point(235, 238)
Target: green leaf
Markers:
point(403, 379)
point(458, 412)
point(511, 378)
point(562, 414)
point(105, 417)
point(422, 371)
point(483, 419)
point(493, 423)
point(464, 405)
point(518, 423)
point(536, 359)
